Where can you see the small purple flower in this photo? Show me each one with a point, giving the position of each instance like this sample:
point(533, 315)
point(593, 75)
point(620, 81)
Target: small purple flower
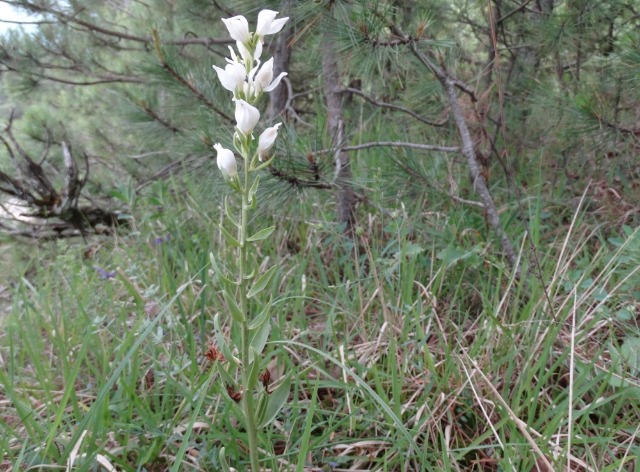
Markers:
point(105, 275)
point(333, 465)
point(160, 239)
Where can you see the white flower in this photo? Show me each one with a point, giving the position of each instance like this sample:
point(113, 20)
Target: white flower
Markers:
point(226, 161)
point(263, 81)
point(232, 77)
point(266, 140)
point(267, 24)
point(247, 117)
point(238, 27)
point(234, 58)
point(246, 54)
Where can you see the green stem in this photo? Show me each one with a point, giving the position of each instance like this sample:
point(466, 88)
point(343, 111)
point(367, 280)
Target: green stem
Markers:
point(247, 396)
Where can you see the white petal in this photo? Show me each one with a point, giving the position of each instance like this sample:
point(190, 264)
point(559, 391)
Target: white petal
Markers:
point(247, 117)
point(258, 50)
point(265, 18)
point(238, 27)
point(244, 53)
point(232, 77)
point(234, 58)
point(264, 77)
point(275, 82)
point(277, 25)
point(267, 139)
point(226, 161)
point(225, 80)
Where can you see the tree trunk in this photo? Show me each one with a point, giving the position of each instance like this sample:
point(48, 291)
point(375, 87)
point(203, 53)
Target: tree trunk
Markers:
point(335, 126)
point(281, 58)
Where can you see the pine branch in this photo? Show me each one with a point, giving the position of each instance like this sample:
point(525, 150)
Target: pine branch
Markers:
point(152, 113)
point(425, 147)
point(449, 84)
point(479, 183)
point(391, 106)
point(297, 182)
point(91, 27)
point(99, 80)
point(180, 79)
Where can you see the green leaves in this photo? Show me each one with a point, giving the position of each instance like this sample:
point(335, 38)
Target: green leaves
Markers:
point(229, 238)
point(220, 340)
point(218, 271)
point(275, 402)
point(262, 234)
point(236, 312)
point(262, 317)
point(223, 461)
point(259, 338)
point(262, 282)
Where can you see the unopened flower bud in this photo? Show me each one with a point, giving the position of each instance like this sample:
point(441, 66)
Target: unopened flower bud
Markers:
point(226, 161)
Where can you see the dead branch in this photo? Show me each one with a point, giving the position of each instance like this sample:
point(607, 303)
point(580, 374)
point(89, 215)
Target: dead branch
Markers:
point(43, 211)
point(391, 106)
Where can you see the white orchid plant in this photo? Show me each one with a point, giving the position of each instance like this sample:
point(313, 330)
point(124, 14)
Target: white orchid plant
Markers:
point(239, 356)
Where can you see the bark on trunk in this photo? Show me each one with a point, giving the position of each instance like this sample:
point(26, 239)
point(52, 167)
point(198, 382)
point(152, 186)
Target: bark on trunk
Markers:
point(281, 58)
point(479, 183)
point(335, 126)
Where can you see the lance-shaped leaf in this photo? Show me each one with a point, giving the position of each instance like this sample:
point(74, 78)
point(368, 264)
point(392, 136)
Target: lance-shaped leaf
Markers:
point(262, 317)
point(259, 338)
point(229, 238)
point(261, 407)
point(250, 265)
point(262, 234)
point(232, 305)
point(276, 401)
point(220, 340)
point(227, 378)
point(262, 282)
point(254, 369)
point(218, 271)
point(254, 188)
point(229, 215)
point(223, 461)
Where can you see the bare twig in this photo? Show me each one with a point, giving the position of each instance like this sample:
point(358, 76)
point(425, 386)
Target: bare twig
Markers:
point(476, 175)
point(73, 19)
point(449, 84)
point(424, 147)
point(391, 106)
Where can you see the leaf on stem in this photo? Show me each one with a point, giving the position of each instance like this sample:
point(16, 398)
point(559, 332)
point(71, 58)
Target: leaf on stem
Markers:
point(254, 369)
point(218, 271)
point(262, 282)
point(254, 188)
point(221, 341)
point(276, 401)
point(232, 305)
point(223, 461)
point(262, 165)
point(261, 408)
point(262, 234)
point(229, 215)
point(252, 266)
point(259, 338)
point(230, 239)
point(227, 378)
point(262, 317)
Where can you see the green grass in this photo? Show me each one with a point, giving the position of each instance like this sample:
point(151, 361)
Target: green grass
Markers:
point(413, 350)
